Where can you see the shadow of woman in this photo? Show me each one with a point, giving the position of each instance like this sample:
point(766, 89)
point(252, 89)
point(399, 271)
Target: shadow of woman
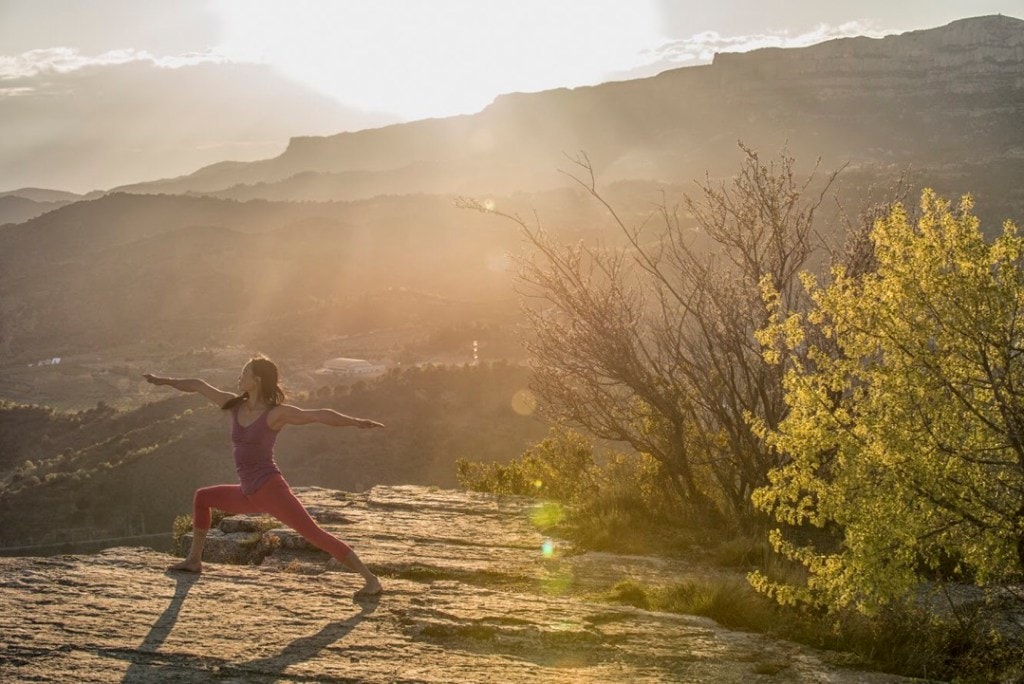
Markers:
point(148, 664)
point(305, 648)
point(143, 664)
point(163, 625)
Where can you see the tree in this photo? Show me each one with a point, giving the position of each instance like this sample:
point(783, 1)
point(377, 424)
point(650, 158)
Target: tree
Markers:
point(653, 343)
point(905, 429)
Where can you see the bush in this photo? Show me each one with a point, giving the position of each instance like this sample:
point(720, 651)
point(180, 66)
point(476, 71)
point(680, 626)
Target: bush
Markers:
point(904, 413)
point(905, 638)
point(630, 593)
point(622, 505)
point(560, 467)
point(182, 525)
point(744, 552)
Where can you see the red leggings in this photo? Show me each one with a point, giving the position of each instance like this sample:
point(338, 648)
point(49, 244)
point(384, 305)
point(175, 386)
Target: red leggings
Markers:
point(274, 497)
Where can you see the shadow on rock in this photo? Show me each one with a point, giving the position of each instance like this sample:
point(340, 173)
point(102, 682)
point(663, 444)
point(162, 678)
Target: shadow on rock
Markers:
point(149, 665)
point(142, 669)
point(305, 648)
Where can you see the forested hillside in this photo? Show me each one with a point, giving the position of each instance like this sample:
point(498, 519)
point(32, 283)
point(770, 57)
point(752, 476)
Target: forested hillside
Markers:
point(104, 469)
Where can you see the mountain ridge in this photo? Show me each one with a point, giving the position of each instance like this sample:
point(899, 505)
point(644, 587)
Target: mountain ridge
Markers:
point(42, 194)
point(378, 203)
point(842, 99)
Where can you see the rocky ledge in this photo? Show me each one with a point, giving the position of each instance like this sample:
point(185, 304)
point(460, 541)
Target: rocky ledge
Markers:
point(473, 594)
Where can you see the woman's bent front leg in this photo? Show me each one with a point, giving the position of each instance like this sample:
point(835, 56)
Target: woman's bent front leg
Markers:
point(227, 498)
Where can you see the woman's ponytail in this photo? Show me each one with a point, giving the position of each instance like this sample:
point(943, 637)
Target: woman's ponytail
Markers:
point(276, 396)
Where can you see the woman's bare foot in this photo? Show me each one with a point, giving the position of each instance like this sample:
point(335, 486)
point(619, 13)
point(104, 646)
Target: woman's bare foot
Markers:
point(371, 588)
point(187, 566)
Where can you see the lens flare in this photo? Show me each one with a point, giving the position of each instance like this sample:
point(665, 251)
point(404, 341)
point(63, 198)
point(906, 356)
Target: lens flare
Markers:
point(547, 514)
point(524, 402)
point(547, 549)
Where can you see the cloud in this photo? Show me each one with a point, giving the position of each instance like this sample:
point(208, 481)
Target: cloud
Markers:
point(700, 48)
point(97, 121)
point(65, 60)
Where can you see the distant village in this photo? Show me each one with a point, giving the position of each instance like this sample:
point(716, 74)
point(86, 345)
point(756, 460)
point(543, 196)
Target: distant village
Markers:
point(347, 367)
point(351, 368)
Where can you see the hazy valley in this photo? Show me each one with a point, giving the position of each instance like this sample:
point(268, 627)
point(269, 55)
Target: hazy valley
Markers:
point(352, 246)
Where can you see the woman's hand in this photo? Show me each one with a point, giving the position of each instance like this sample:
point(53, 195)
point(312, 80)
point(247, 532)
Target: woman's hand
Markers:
point(362, 423)
point(154, 380)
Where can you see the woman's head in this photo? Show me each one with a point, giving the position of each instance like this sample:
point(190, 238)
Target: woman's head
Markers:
point(259, 378)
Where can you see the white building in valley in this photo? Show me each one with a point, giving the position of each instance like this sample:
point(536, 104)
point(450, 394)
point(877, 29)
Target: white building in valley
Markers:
point(351, 368)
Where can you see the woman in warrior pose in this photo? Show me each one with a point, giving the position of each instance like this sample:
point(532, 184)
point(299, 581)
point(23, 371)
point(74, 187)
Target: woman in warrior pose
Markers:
point(257, 415)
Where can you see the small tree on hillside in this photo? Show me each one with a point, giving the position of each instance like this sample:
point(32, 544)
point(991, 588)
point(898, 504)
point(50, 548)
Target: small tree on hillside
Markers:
point(905, 428)
point(653, 343)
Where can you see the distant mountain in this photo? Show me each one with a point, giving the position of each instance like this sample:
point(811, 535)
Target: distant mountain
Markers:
point(935, 98)
point(14, 209)
point(102, 126)
point(284, 248)
point(21, 205)
point(42, 195)
point(194, 271)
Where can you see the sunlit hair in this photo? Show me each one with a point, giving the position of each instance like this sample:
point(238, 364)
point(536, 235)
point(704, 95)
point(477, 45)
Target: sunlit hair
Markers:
point(265, 372)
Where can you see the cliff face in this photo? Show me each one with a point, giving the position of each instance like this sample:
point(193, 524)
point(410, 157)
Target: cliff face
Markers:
point(469, 597)
point(947, 101)
point(971, 56)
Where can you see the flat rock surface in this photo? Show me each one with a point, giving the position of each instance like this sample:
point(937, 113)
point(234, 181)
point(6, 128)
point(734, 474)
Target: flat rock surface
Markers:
point(469, 597)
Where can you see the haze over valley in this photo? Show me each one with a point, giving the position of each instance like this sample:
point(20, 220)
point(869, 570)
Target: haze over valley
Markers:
point(351, 245)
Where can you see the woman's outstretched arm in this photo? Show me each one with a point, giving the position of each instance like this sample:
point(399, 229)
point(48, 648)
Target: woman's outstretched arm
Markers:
point(287, 414)
point(218, 397)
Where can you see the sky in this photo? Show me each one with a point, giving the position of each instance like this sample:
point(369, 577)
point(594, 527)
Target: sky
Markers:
point(362, 63)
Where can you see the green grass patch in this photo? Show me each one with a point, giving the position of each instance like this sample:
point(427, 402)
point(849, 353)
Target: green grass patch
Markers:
point(902, 639)
point(731, 602)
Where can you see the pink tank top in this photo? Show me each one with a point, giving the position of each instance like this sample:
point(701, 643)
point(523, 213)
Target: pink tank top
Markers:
point(254, 451)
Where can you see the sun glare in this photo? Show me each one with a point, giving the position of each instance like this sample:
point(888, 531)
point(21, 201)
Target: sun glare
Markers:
point(420, 59)
point(524, 402)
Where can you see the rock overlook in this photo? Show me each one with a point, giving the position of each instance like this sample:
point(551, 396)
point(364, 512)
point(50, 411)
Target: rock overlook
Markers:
point(470, 597)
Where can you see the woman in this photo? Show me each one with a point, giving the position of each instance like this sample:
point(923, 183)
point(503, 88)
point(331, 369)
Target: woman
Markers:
point(257, 415)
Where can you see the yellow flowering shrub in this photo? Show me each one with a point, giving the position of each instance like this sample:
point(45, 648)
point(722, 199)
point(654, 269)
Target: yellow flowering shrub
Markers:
point(905, 423)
